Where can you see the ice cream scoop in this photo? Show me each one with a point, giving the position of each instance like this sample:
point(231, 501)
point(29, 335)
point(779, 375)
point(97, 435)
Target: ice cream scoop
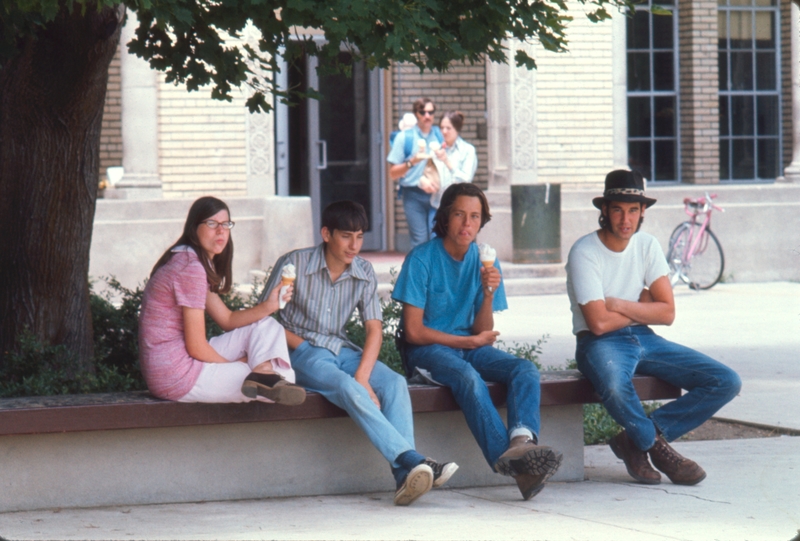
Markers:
point(434, 146)
point(488, 255)
point(288, 276)
point(421, 144)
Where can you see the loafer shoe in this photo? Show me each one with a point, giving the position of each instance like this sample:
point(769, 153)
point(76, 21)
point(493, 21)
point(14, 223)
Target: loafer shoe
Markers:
point(273, 387)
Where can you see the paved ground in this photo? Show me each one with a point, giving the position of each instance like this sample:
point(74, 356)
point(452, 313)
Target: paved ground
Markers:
point(752, 491)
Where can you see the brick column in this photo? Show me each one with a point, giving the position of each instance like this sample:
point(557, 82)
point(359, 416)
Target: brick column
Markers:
point(792, 172)
point(699, 99)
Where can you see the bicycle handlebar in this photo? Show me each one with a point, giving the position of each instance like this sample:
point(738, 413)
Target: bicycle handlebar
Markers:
point(701, 205)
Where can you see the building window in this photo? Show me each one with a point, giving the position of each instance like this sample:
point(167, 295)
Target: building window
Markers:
point(653, 145)
point(749, 90)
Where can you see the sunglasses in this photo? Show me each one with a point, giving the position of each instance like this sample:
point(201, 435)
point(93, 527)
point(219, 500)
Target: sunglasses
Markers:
point(427, 113)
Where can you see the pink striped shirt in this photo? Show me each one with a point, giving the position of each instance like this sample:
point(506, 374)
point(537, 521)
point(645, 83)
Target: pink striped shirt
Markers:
point(168, 369)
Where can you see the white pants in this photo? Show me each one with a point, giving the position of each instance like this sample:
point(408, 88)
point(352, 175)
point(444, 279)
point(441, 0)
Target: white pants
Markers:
point(222, 382)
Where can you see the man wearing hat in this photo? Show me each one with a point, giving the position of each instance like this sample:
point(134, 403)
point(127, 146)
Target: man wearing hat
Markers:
point(618, 286)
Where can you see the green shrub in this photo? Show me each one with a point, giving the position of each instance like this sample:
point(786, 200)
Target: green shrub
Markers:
point(599, 427)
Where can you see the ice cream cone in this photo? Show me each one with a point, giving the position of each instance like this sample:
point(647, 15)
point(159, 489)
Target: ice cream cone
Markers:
point(487, 263)
point(286, 281)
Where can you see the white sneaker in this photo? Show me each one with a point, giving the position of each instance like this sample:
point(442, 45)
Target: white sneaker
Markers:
point(418, 481)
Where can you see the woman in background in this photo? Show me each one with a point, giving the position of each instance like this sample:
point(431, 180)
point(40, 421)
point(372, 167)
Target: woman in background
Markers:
point(456, 160)
point(250, 360)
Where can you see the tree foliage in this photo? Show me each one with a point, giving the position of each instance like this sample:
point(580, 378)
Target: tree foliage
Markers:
point(201, 43)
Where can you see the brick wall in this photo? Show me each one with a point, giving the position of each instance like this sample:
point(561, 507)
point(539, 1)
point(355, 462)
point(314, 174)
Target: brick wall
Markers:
point(202, 143)
point(699, 99)
point(111, 132)
point(462, 88)
point(574, 109)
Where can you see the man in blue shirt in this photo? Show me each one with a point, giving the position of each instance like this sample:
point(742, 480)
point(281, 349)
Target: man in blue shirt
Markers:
point(407, 162)
point(448, 303)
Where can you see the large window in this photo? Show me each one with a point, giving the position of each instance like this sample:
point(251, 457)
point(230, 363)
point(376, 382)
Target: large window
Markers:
point(653, 146)
point(749, 90)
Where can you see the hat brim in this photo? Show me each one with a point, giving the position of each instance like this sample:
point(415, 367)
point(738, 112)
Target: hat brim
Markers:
point(624, 198)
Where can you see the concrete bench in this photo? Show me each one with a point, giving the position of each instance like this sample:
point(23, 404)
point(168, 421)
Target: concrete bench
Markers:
point(131, 448)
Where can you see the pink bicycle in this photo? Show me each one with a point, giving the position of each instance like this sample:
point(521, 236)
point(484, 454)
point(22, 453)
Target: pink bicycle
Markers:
point(695, 255)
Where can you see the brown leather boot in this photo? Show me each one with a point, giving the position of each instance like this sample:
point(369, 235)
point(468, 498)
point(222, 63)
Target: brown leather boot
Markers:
point(635, 459)
point(679, 469)
point(525, 457)
point(530, 485)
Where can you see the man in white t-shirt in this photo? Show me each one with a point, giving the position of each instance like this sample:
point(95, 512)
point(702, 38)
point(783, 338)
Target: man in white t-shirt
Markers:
point(618, 285)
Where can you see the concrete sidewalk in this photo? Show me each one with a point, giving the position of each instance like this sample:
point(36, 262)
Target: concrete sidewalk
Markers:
point(752, 491)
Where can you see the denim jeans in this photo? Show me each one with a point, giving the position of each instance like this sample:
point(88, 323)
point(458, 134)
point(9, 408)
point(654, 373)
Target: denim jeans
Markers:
point(391, 428)
point(417, 207)
point(465, 372)
point(609, 361)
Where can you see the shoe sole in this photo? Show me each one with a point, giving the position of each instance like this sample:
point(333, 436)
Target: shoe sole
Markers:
point(534, 491)
point(537, 461)
point(281, 393)
point(447, 472)
point(620, 455)
point(418, 482)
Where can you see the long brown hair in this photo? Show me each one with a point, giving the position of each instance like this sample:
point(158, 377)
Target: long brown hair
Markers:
point(218, 270)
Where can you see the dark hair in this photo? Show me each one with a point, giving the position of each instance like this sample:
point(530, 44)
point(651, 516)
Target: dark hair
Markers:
point(219, 270)
point(605, 224)
point(455, 118)
point(419, 105)
point(449, 198)
point(345, 216)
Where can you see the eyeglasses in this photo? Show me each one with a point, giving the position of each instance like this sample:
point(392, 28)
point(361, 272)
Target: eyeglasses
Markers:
point(427, 113)
point(213, 224)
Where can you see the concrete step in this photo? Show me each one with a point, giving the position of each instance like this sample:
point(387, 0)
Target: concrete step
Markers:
point(520, 279)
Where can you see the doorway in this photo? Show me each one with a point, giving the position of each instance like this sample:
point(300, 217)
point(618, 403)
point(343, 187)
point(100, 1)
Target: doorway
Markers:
point(332, 149)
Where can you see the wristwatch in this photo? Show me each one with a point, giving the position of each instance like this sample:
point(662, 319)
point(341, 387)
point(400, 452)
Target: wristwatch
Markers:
point(409, 164)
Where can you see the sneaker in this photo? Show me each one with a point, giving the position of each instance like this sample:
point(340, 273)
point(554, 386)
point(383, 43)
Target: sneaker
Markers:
point(417, 482)
point(523, 456)
point(441, 472)
point(635, 459)
point(530, 485)
point(273, 387)
point(678, 468)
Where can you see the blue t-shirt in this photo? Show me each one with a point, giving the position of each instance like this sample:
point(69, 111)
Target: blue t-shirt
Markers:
point(449, 291)
point(397, 154)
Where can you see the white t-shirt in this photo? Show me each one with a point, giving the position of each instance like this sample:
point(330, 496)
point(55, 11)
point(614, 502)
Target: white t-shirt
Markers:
point(594, 272)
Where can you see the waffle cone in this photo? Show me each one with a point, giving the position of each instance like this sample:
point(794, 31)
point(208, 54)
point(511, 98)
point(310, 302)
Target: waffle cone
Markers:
point(287, 281)
point(487, 264)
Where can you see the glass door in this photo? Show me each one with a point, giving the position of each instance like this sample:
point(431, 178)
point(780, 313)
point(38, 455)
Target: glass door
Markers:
point(344, 143)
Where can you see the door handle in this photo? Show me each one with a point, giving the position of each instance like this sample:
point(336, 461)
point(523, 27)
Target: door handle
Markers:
point(323, 154)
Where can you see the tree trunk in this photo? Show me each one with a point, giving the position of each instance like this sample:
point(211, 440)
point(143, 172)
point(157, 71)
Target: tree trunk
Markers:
point(51, 107)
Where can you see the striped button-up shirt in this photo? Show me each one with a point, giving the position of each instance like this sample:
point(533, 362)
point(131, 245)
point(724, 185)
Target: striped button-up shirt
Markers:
point(320, 309)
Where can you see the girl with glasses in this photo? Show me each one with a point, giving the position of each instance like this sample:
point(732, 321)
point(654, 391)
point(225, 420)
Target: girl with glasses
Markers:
point(249, 361)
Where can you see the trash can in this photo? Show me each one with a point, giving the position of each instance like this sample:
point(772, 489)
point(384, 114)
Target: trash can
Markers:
point(536, 223)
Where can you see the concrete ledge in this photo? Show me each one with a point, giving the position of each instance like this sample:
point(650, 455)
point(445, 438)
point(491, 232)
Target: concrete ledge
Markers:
point(130, 235)
point(84, 451)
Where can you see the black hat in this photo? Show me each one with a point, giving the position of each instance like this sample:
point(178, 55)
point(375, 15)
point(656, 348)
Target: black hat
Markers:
point(624, 186)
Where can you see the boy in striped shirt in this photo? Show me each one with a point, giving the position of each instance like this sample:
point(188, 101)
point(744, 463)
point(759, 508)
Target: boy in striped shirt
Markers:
point(332, 282)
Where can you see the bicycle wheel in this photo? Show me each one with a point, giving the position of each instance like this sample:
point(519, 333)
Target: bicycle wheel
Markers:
point(678, 242)
point(704, 268)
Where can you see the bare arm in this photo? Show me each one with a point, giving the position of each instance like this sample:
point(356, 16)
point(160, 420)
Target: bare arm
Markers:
point(400, 170)
point(293, 340)
point(228, 320)
point(484, 319)
point(369, 356)
point(194, 333)
point(418, 334)
point(656, 306)
point(659, 311)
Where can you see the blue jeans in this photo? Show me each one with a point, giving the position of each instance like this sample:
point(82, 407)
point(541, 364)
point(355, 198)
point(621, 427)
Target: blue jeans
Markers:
point(391, 428)
point(465, 372)
point(417, 207)
point(611, 360)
